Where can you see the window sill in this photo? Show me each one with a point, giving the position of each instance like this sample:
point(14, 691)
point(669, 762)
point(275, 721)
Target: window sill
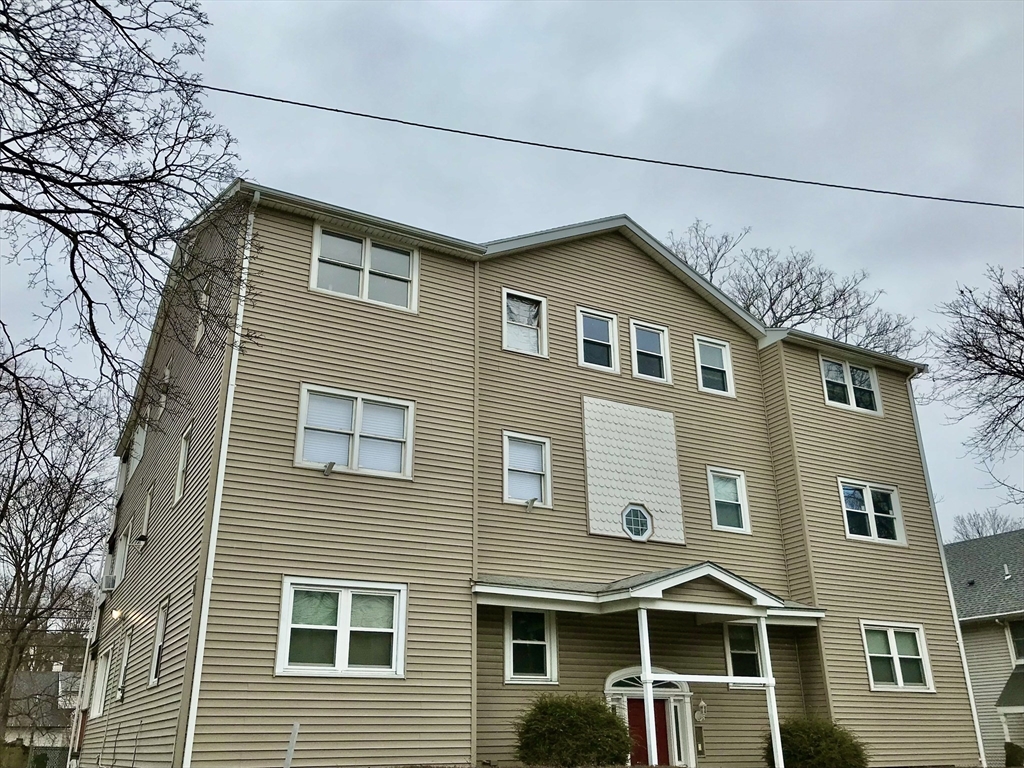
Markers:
point(335, 673)
point(349, 297)
point(854, 409)
point(900, 689)
point(521, 503)
point(524, 681)
point(746, 687)
point(727, 529)
point(653, 379)
point(872, 540)
point(543, 355)
point(601, 368)
point(717, 392)
point(347, 471)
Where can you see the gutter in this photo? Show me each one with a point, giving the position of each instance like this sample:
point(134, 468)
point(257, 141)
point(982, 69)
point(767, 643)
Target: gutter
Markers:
point(218, 497)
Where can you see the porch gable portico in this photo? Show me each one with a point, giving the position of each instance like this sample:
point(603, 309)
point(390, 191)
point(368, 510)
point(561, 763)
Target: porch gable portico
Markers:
point(694, 590)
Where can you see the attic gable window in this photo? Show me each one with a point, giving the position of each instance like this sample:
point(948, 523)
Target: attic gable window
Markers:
point(850, 386)
point(364, 269)
point(524, 323)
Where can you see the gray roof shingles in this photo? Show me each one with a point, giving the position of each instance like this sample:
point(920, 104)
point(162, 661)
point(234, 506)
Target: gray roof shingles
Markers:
point(978, 575)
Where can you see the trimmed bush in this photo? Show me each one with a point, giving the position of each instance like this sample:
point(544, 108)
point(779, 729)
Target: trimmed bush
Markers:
point(571, 731)
point(812, 742)
point(1014, 754)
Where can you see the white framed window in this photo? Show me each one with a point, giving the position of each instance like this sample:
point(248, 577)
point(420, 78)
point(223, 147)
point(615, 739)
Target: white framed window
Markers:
point(335, 628)
point(138, 446)
point(164, 387)
point(203, 309)
point(871, 512)
point(897, 656)
point(184, 455)
point(122, 676)
point(524, 323)
point(121, 553)
point(531, 647)
point(714, 366)
point(527, 472)
point(100, 680)
point(1015, 639)
point(742, 653)
point(649, 351)
point(147, 508)
point(852, 386)
point(597, 340)
point(364, 269)
point(159, 634)
point(728, 491)
point(637, 522)
point(360, 433)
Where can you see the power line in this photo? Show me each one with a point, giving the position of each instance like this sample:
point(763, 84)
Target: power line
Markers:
point(593, 152)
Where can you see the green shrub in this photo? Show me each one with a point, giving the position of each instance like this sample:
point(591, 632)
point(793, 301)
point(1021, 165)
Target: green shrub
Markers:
point(811, 742)
point(41, 760)
point(1014, 755)
point(570, 731)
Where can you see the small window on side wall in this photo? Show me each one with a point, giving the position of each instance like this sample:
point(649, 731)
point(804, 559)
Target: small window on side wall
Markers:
point(871, 512)
point(527, 460)
point(850, 386)
point(531, 654)
point(524, 323)
point(714, 366)
point(897, 657)
point(597, 335)
point(729, 509)
point(364, 269)
point(650, 352)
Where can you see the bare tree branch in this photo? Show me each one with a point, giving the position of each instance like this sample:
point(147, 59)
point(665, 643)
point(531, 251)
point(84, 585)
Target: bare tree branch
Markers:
point(975, 525)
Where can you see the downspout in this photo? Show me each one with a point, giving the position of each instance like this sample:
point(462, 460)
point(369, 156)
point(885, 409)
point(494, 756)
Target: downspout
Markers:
point(945, 574)
point(218, 496)
point(473, 656)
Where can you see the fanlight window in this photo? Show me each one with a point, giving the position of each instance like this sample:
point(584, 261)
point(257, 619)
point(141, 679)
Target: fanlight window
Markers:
point(634, 682)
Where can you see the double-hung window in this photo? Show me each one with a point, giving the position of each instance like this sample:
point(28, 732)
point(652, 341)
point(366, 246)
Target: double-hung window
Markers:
point(897, 656)
point(524, 323)
point(138, 446)
point(742, 652)
point(714, 366)
point(122, 677)
point(1015, 637)
point(364, 269)
point(159, 633)
point(201, 313)
point(871, 512)
point(597, 335)
point(184, 455)
point(527, 469)
point(531, 653)
point(342, 628)
point(121, 553)
point(650, 352)
point(850, 386)
point(354, 432)
point(100, 680)
point(729, 508)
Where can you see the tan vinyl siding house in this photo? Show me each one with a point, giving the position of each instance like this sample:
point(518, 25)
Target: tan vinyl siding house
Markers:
point(444, 477)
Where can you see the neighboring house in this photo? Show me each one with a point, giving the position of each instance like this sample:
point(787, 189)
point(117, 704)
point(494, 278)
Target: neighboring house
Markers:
point(452, 476)
point(42, 708)
point(987, 575)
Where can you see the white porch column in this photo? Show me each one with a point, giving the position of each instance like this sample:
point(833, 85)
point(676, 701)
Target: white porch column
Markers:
point(773, 710)
point(1006, 726)
point(645, 678)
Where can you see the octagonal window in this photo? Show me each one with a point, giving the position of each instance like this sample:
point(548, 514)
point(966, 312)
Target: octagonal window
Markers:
point(637, 523)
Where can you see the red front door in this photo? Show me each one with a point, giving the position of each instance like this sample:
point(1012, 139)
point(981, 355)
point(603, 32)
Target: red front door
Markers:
point(638, 731)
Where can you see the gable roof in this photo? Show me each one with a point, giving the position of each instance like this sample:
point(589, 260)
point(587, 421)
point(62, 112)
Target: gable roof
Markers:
point(977, 573)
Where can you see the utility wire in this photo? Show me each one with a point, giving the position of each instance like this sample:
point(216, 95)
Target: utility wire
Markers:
point(591, 152)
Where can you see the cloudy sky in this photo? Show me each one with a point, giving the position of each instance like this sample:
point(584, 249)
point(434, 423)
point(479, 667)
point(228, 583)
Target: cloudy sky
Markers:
point(916, 96)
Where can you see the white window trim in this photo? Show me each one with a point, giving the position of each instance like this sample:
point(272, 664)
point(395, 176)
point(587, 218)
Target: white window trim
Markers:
point(164, 387)
point(163, 613)
point(548, 502)
point(98, 693)
point(665, 350)
point(647, 514)
point(542, 335)
point(849, 385)
point(122, 676)
point(1015, 660)
point(728, 656)
point(358, 399)
point(613, 331)
point(121, 549)
point(901, 536)
point(551, 646)
point(730, 377)
point(364, 280)
point(741, 484)
point(185, 450)
point(291, 583)
point(147, 509)
point(922, 646)
point(137, 449)
point(202, 310)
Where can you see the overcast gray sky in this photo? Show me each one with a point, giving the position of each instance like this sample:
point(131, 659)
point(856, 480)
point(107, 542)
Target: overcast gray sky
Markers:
point(915, 96)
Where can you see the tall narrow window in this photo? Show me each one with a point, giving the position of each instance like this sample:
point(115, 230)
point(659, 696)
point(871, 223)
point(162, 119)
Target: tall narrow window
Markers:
point(524, 322)
point(527, 469)
point(850, 386)
point(530, 647)
point(158, 643)
point(741, 650)
point(121, 553)
point(871, 512)
point(122, 677)
point(354, 432)
point(597, 340)
point(896, 656)
point(364, 269)
point(728, 489)
point(164, 388)
point(714, 366)
point(184, 451)
point(650, 352)
point(101, 678)
point(146, 510)
point(138, 446)
point(339, 628)
point(203, 309)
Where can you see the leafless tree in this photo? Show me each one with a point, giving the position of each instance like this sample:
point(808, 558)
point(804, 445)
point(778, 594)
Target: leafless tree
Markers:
point(56, 490)
point(792, 290)
point(975, 525)
point(106, 153)
point(981, 368)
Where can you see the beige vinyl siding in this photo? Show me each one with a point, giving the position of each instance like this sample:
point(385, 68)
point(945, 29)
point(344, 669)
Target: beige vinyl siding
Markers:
point(592, 647)
point(142, 730)
point(278, 520)
point(812, 672)
point(543, 396)
point(988, 658)
point(706, 590)
point(858, 580)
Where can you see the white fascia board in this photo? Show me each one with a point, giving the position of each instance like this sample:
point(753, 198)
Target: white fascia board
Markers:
point(756, 596)
point(992, 616)
point(813, 340)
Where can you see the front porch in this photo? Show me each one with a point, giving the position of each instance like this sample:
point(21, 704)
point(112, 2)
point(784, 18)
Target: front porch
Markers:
point(656, 647)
